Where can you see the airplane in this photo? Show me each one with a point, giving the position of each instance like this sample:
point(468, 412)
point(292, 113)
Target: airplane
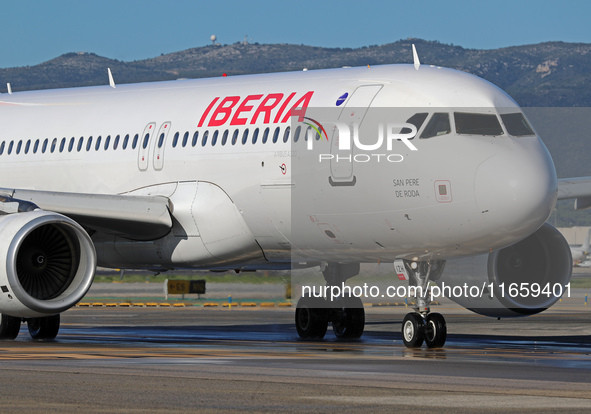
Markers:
point(579, 253)
point(240, 173)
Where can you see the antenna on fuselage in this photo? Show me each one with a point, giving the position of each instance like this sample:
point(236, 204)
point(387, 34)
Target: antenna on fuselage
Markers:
point(111, 80)
point(9, 88)
point(415, 57)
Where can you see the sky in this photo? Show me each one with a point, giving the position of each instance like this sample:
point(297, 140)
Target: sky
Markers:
point(34, 31)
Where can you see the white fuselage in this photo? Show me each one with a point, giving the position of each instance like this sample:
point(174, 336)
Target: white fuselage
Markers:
point(496, 189)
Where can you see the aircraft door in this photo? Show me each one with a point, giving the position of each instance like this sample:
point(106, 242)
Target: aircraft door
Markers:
point(341, 165)
point(144, 146)
point(160, 145)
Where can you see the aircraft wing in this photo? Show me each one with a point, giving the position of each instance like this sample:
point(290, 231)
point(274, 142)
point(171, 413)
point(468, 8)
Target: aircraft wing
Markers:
point(577, 188)
point(133, 217)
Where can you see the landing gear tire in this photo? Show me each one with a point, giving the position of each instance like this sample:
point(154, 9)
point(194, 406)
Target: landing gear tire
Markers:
point(349, 321)
point(435, 330)
point(44, 328)
point(311, 319)
point(9, 327)
point(413, 330)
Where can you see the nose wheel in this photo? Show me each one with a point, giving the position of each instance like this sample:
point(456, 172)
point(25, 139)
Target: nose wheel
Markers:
point(435, 330)
point(431, 329)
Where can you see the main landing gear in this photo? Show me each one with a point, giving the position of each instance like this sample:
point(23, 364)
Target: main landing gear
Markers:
point(422, 325)
point(45, 328)
point(346, 314)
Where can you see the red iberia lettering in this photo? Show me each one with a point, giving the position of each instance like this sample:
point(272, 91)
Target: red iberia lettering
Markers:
point(207, 111)
point(225, 110)
point(278, 116)
point(235, 110)
point(236, 120)
point(266, 108)
point(303, 103)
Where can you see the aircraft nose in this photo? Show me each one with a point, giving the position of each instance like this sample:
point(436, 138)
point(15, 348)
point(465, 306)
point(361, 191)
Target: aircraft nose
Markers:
point(517, 188)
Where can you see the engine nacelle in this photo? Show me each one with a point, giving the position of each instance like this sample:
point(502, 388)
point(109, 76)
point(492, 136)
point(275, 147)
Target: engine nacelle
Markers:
point(47, 263)
point(523, 279)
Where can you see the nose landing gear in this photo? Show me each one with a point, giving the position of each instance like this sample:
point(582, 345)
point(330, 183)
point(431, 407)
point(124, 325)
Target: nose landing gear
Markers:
point(422, 325)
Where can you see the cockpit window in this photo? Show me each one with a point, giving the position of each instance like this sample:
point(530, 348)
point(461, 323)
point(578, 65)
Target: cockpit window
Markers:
point(438, 125)
point(416, 120)
point(517, 125)
point(477, 124)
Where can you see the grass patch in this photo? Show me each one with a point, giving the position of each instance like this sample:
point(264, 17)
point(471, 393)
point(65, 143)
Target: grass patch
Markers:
point(581, 283)
point(230, 277)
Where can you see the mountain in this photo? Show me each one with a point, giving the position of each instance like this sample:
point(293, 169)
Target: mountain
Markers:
point(546, 74)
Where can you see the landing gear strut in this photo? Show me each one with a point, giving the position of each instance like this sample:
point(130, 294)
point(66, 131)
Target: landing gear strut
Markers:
point(422, 325)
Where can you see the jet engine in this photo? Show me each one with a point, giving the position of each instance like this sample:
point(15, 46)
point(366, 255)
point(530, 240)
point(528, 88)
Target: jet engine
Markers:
point(47, 263)
point(522, 279)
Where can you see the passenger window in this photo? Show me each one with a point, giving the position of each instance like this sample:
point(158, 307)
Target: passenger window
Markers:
point(125, 141)
point(80, 143)
point(235, 137)
point(195, 138)
point(255, 136)
point(2, 147)
point(438, 125)
point(286, 134)
point(18, 147)
point(44, 145)
point(53, 145)
point(214, 138)
point(135, 140)
point(265, 135)
point(36, 147)
point(245, 136)
point(417, 120)
point(98, 143)
point(517, 125)
point(296, 136)
point(116, 143)
point(27, 146)
point(311, 134)
point(185, 139)
point(276, 135)
point(10, 147)
point(107, 141)
point(89, 143)
point(71, 145)
point(145, 142)
point(225, 137)
point(204, 139)
point(477, 124)
point(175, 140)
point(62, 144)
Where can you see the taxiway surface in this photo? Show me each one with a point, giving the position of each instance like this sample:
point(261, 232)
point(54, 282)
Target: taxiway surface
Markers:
point(196, 359)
